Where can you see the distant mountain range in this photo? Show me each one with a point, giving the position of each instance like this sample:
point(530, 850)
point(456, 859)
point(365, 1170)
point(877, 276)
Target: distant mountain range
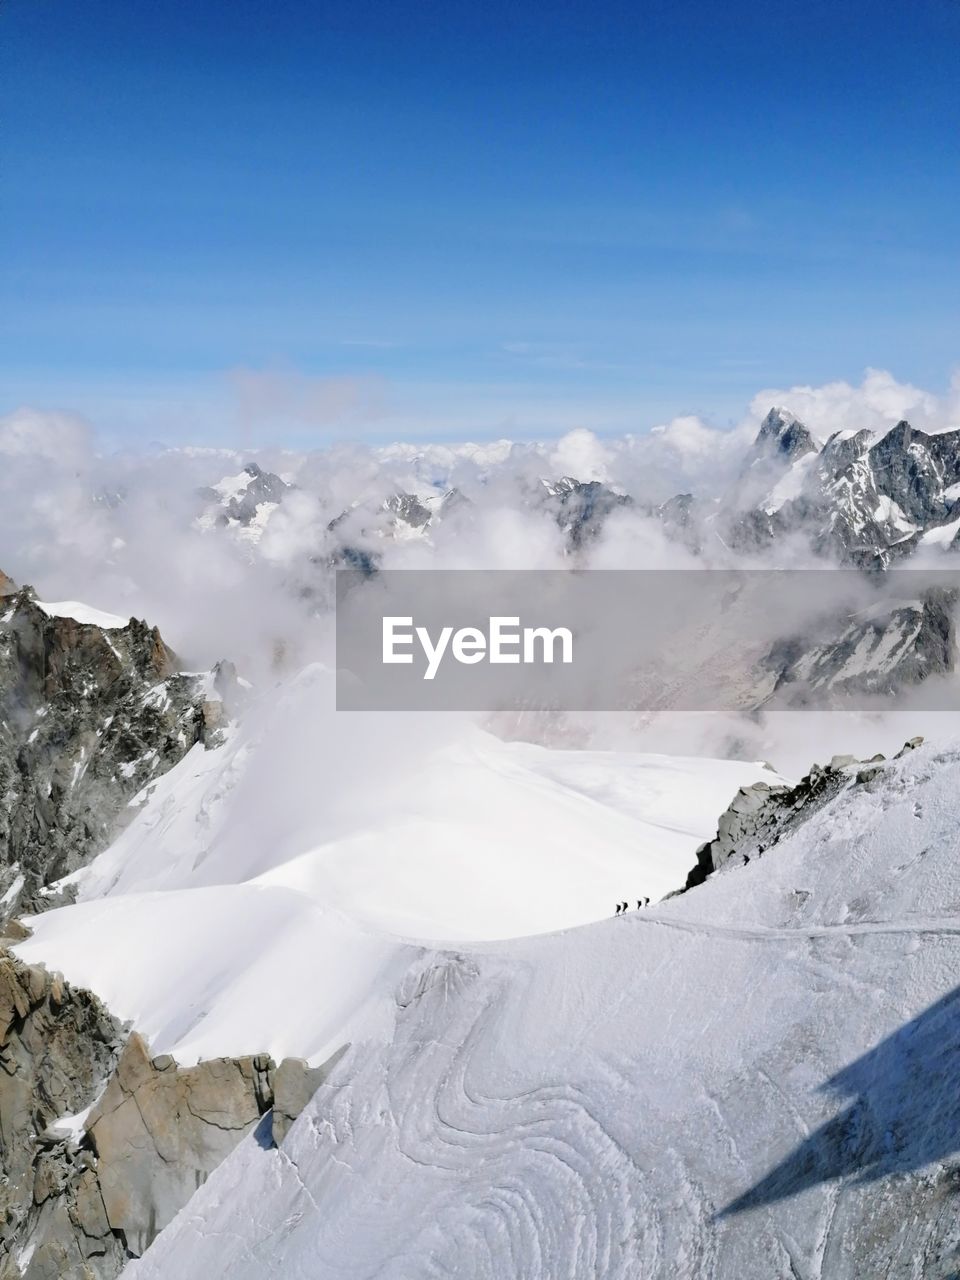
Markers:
point(484, 1088)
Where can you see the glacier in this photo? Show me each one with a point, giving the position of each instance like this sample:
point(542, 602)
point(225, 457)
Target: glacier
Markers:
point(754, 1079)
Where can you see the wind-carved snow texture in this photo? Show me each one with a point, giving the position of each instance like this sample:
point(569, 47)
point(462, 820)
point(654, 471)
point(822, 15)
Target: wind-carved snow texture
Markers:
point(730, 1084)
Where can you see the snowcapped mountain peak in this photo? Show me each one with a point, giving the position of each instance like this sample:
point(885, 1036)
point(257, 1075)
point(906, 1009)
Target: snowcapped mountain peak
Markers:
point(408, 509)
point(864, 501)
point(782, 434)
point(556, 488)
point(244, 501)
point(842, 448)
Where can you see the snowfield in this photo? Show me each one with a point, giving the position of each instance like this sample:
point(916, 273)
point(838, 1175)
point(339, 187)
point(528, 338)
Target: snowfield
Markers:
point(755, 1080)
point(83, 613)
point(308, 851)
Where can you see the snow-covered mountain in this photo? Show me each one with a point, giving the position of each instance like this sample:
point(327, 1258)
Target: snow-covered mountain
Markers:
point(856, 498)
point(93, 707)
point(752, 1080)
point(233, 877)
point(226, 907)
point(879, 651)
point(243, 502)
point(465, 838)
point(861, 500)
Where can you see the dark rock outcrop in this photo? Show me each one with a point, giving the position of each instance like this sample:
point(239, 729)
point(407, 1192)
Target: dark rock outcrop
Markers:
point(88, 715)
point(760, 815)
point(57, 1047)
point(781, 436)
point(408, 509)
point(102, 1144)
point(864, 501)
point(882, 651)
point(582, 508)
point(243, 506)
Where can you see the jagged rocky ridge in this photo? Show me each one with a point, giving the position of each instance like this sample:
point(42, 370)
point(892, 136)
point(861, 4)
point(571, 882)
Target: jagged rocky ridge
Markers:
point(89, 714)
point(355, 535)
point(243, 502)
point(762, 814)
point(581, 508)
point(856, 499)
point(878, 653)
point(102, 1144)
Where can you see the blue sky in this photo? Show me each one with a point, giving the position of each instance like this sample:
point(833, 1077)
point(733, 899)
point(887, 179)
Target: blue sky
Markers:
point(443, 218)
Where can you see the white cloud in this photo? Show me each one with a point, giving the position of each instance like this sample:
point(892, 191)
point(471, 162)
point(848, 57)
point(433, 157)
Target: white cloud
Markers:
point(116, 530)
point(59, 437)
point(878, 403)
point(579, 453)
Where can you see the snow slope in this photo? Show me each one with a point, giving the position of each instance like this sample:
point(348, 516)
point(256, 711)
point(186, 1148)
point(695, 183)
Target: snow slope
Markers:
point(755, 1080)
point(313, 844)
point(221, 972)
point(83, 613)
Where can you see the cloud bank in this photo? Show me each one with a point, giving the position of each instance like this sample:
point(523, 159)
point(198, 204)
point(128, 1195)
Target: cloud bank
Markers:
point(125, 530)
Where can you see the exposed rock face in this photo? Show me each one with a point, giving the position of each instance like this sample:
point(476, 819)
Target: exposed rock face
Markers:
point(57, 1047)
point(158, 1131)
point(408, 509)
point(866, 502)
point(88, 715)
point(761, 815)
point(245, 500)
point(880, 652)
point(101, 1145)
point(294, 1084)
point(582, 508)
point(782, 436)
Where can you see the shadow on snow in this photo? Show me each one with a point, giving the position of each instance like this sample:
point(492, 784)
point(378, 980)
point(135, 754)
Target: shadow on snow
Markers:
point(904, 1112)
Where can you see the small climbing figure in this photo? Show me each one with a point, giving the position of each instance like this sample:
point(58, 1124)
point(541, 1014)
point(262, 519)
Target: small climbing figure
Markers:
point(646, 902)
point(619, 908)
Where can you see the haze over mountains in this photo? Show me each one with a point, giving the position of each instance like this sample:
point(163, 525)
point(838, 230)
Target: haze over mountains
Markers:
point(347, 996)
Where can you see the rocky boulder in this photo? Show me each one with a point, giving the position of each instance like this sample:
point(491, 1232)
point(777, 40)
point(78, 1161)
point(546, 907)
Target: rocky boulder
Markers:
point(760, 815)
point(159, 1130)
point(102, 1144)
point(57, 1047)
